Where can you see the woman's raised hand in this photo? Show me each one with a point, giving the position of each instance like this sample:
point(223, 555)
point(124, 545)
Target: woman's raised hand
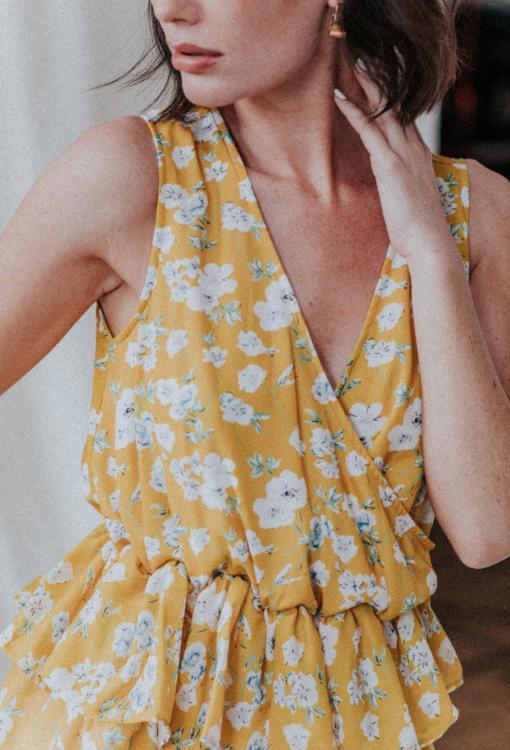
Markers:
point(402, 166)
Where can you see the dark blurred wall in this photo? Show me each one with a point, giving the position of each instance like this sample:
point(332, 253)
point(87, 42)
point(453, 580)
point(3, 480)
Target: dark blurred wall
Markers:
point(476, 115)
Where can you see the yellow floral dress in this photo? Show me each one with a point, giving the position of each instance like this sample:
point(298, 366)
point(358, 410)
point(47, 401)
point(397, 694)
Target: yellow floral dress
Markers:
point(262, 578)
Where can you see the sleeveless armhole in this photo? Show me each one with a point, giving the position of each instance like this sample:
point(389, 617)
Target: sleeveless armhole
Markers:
point(453, 182)
point(155, 256)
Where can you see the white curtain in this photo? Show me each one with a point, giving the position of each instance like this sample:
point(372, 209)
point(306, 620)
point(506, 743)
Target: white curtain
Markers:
point(51, 52)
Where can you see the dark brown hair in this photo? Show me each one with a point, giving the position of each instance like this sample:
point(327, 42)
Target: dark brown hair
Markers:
point(408, 47)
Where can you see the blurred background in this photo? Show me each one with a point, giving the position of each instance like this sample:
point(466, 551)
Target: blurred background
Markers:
point(51, 53)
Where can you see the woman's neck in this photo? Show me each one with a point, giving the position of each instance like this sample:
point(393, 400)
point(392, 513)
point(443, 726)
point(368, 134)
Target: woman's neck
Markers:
point(295, 132)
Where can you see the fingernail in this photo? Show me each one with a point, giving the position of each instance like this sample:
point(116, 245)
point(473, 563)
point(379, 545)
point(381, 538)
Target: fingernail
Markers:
point(361, 64)
point(339, 94)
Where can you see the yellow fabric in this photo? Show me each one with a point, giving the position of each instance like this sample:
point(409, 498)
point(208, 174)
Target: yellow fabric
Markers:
point(262, 577)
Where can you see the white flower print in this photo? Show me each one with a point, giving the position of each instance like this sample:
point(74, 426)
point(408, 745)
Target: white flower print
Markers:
point(182, 156)
point(338, 731)
point(403, 524)
point(93, 606)
point(191, 208)
point(163, 239)
point(257, 742)
point(367, 675)
point(408, 739)
point(386, 286)
point(250, 344)
point(213, 283)
point(370, 726)
point(322, 442)
point(251, 378)
point(397, 260)
point(114, 500)
point(387, 496)
point(284, 495)
point(297, 736)
point(198, 539)
point(116, 573)
point(464, 196)
point(159, 733)
point(319, 574)
point(356, 639)
point(367, 422)
point(165, 436)
point(292, 651)
point(7, 635)
point(39, 604)
point(226, 614)
point(113, 470)
point(280, 304)
point(158, 479)
point(422, 657)
point(432, 582)
point(390, 316)
point(94, 420)
point(137, 352)
point(344, 547)
point(124, 636)
point(408, 675)
point(216, 355)
point(446, 651)
point(296, 441)
point(429, 704)
point(303, 689)
point(235, 217)
point(217, 171)
point(172, 196)
point(176, 341)
point(203, 127)
point(29, 666)
point(322, 389)
point(246, 191)
point(61, 573)
point(193, 661)
point(380, 353)
point(150, 282)
point(407, 436)
point(329, 638)
point(208, 608)
point(356, 464)
point(239, 551)
point(6, 724)
point(241, 715)
point(213, 738)
point(217, 475)
point(116, 530)
point(405, 625)
point(351, 505)
point(270, 639)
point(125, 419)
point(160, 581)
point(235, 410)
point(186, 696)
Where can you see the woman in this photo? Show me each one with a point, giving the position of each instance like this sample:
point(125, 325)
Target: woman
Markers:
point(263, 577)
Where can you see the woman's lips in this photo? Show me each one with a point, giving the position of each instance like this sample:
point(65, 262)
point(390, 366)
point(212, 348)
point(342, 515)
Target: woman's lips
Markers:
point(189, 58)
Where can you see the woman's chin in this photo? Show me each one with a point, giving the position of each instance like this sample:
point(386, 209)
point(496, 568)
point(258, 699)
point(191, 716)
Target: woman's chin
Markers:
point(202, 94)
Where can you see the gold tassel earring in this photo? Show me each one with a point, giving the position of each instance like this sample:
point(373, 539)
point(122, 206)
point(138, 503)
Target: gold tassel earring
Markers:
point(337, 24)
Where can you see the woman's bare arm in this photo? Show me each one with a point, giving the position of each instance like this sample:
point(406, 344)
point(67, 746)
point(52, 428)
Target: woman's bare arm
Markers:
point(463, 354)
point(80, 232)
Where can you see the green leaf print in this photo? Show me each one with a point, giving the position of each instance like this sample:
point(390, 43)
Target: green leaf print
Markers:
point(100, 442)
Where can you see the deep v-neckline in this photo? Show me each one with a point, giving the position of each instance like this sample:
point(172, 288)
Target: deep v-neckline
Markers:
point(277, 261)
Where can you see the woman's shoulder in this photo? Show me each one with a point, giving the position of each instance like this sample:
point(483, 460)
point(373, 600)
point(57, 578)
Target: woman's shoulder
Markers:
point(489, 225)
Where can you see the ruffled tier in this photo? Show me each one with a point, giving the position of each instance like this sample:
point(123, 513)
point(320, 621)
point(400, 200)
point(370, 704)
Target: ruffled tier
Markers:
point(186, 665)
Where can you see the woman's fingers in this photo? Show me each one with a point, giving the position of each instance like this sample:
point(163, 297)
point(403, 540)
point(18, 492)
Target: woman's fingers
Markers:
point(373, 139)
